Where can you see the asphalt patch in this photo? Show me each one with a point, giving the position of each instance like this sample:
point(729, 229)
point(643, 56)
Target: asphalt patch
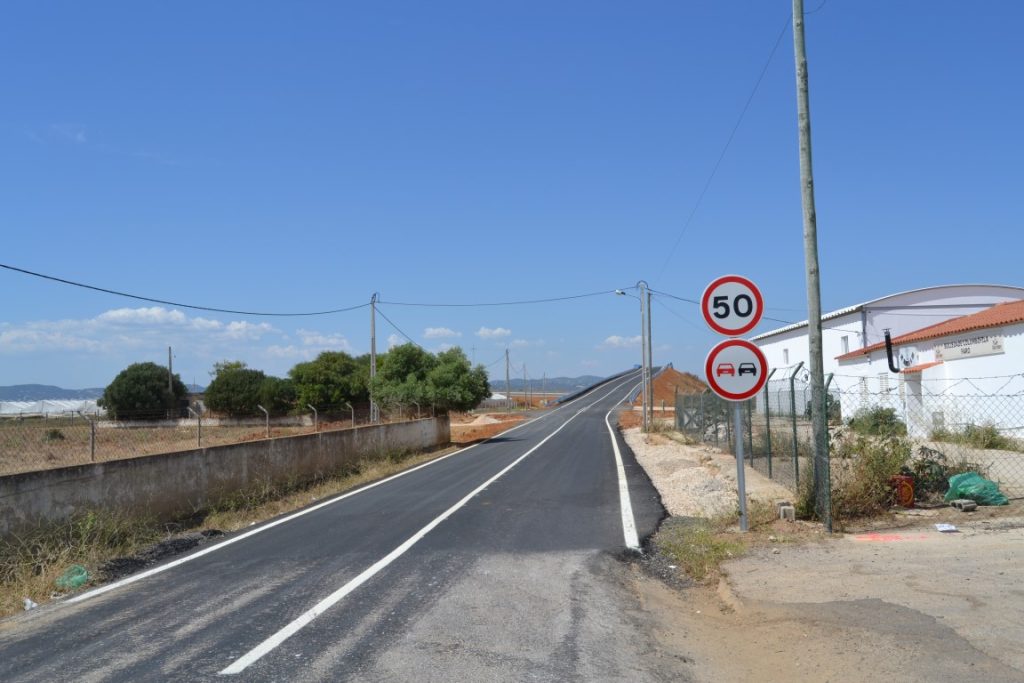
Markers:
point(120, 567)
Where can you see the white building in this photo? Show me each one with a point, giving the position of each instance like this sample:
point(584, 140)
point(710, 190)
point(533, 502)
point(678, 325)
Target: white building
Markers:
point(946, 340)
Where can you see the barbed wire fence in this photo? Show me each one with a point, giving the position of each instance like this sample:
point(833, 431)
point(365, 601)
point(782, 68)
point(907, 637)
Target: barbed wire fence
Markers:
point(902, 429)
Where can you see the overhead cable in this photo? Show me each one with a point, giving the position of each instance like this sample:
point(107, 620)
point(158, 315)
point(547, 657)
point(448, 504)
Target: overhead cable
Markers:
point(728, 142)
point(397, 328)
point(177, 304)
point(503, 303)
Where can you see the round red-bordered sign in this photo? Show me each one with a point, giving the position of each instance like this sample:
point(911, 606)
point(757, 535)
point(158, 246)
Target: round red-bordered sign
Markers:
point(732, 305)
point(736, 369)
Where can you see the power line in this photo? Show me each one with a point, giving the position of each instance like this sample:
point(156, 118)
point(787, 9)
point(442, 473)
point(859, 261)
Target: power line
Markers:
point(728, 142)
point(397, 328)
point(503, 303)
point(174, 303)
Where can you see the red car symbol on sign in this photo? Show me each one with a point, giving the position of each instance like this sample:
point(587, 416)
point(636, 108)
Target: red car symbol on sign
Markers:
point(726, 369)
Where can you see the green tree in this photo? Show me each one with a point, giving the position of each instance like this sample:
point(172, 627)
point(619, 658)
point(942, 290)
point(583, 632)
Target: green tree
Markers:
point(140, 391)
point(235, 389)
point(331, 379)
point(454, 384)
point(402, 376)
point(277, 395)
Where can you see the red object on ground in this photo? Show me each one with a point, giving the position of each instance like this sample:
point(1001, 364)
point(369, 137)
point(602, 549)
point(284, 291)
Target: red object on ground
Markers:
point(903, 487)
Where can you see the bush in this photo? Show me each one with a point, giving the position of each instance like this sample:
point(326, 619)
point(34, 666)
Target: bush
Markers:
point(978, 436)
point(931, 470)
point(832, 409)
point(141, 388)
point(331, 379)
point(878, 421)
point(277, 395)
point(235, 390)
point(860, 483)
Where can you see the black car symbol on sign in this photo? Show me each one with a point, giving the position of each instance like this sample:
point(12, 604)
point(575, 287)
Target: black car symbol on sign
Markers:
point(748, 369)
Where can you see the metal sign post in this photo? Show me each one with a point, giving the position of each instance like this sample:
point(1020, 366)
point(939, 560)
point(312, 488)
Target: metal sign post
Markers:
point(735, 369)
point(741, 482)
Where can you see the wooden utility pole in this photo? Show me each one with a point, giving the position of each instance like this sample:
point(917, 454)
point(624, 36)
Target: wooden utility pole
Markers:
point(822, 492)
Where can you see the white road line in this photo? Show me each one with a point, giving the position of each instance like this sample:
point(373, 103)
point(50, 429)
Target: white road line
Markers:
point(628, 519)
point(270, 525)
point(255, 654)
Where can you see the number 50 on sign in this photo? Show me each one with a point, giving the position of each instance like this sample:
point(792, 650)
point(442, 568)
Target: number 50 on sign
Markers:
point(732, 305)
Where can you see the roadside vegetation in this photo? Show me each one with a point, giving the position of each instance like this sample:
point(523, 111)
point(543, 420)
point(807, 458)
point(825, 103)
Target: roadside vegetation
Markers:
point(699, 546)
point(984, 436)
point(32, 562)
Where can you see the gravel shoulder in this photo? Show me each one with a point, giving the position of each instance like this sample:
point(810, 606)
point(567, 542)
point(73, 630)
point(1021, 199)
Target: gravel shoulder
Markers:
point(912, 605)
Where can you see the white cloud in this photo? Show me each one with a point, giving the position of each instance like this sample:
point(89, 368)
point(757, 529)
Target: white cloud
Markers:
point(440, 333)
point(441, 348)
point(394, 340)
point(324, 341)
point(523, 343)
point(493, 332)
point(154, 315)
point(617, 342)
point(241, 329)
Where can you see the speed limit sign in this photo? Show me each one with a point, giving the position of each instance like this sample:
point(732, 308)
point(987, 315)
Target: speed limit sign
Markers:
point(732, 305)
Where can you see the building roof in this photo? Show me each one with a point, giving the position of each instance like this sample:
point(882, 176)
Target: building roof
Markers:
point(1006, 313)
point(921, 368)
point(869, 304)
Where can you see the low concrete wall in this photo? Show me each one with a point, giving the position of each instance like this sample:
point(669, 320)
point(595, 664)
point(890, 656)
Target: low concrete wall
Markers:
point(172, 485)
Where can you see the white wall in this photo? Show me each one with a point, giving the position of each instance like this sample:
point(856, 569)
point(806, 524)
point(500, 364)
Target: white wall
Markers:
point(972, 390)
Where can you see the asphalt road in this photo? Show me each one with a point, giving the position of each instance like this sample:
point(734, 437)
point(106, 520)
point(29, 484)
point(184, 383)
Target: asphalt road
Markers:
point(495, 563)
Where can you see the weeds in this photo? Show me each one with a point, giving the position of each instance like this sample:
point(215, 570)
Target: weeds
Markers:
point(698, 547)
point(31, 562)
point(878, 421)
point(984, 436)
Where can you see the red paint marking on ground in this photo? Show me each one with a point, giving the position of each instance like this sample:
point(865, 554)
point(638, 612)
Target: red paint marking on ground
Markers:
point(889, 538)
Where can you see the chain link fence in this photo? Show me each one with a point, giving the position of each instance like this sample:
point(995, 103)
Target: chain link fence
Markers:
point(37, 441)
point(889, 435)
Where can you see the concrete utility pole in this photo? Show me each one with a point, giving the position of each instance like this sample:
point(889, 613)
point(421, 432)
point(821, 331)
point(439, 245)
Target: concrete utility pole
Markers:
point(822, 492)
point(644, 301)
point(650, 364)
point(508, 386)
point(374, 411)
point(170, 373)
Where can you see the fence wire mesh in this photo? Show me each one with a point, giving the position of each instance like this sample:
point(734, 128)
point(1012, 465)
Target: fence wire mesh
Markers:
point(30, 442)
point(888, 434)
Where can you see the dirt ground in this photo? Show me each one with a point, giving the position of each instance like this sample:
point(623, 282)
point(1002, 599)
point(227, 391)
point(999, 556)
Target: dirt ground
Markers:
point(470, 428)
point(666, 384)
point(908, 605)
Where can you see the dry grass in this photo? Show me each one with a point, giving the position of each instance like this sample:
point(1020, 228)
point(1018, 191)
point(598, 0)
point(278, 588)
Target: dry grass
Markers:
point(700, 546)
point(31, 563)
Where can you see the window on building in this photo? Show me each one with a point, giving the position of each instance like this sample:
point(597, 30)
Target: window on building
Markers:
point(785, 356)
point(845, 342)
point(883, 381)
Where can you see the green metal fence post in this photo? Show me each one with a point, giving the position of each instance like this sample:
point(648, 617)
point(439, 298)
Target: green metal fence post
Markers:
point(792, 409)
point(768, 423)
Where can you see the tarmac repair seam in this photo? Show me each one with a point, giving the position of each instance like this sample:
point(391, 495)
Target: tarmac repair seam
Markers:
point(303, 620)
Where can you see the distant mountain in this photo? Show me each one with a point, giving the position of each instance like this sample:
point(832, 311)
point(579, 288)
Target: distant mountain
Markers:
point(195, 388)
point(44, 392)
point(554, 385)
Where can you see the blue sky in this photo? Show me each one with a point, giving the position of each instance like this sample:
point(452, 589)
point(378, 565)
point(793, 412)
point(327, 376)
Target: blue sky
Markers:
point(300, 156)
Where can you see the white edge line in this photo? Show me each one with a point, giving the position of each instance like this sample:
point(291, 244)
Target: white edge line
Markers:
point(268, 645)
point(305, 511)
point(628, 518)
